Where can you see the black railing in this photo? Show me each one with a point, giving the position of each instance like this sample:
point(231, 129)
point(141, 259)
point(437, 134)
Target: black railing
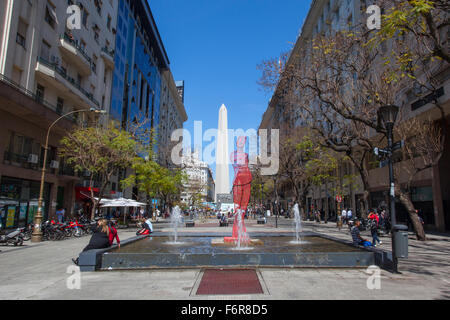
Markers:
point(15, 157)
point(74, 43)
point(108, 52)
point(32, 95)
point(66, 171)
point(23, 161)
point(63, 73)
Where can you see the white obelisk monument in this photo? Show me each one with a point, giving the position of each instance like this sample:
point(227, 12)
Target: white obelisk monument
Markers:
point(222, 171)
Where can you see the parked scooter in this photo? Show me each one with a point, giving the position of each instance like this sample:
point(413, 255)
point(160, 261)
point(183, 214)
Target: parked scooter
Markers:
point(15, 237)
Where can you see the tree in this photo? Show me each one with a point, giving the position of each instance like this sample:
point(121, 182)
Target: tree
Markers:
point(154, 180)
point(335, 85)
point(99, 151)
point(425, 21)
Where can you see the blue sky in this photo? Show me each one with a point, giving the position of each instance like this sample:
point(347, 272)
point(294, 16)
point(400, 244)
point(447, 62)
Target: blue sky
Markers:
point(215, 47)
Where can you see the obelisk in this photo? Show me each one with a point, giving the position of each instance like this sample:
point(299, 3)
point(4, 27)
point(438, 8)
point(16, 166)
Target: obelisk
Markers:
point(222, 170)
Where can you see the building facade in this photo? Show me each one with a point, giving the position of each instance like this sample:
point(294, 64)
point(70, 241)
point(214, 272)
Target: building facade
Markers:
point(47, 70)
point(430, 188)
point(172, 117)
point(200, 186)
point(144, 90)
point(110, 57)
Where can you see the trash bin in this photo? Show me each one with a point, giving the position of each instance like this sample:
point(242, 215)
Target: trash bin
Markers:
point(400, 238)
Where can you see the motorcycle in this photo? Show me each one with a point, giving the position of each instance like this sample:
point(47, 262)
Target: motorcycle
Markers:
point(27, 232)
point(15, 237)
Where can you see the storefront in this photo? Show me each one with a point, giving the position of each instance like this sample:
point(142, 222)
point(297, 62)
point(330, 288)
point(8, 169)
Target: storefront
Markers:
point(19, 202)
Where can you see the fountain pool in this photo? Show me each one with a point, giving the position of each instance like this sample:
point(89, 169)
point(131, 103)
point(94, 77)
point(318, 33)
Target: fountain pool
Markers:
point(275, 250)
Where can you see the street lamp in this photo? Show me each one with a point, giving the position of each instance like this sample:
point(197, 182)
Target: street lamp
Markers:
point(37, 232)
point(276, 200)
point(387, 116)
point(262, 191)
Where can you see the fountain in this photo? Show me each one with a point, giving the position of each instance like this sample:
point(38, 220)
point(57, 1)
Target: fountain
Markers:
point(298, 225)
point(176, 219)
point(217, 249)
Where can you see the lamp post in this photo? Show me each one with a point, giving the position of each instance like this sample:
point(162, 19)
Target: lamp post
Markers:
point(37, 232)
point(276, 200)
point(387, 116)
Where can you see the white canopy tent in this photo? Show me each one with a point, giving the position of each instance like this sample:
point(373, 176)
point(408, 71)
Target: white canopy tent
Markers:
point(121, 202)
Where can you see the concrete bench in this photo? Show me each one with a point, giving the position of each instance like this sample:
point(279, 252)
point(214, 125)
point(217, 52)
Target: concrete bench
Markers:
point(190, 223)
point(261, 221)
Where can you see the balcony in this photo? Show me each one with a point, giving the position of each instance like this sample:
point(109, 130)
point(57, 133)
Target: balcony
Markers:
point(35, 97)
point(73, 53)
point(108, 57)
point(20, 160)
point(57, 77)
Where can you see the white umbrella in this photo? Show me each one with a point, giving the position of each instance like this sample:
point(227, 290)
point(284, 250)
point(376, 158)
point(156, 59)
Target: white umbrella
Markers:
point(122, 202)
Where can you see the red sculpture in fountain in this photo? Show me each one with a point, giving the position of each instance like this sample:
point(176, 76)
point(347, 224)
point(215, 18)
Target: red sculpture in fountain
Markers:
point(241, 190)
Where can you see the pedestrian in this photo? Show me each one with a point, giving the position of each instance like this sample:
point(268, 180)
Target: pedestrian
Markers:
point(349, 214)
point(99, 239)
point(374, 224)
point(60, 215)
point(344, 216)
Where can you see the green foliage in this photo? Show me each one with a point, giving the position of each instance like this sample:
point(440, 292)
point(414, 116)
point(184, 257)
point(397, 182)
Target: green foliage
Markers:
point(98, 150)
point(153, 179)
point(318, 162)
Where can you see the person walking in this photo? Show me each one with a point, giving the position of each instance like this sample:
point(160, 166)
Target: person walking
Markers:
point(60, 215)
point(349, 214)
point(344, 216)
point(374, 224)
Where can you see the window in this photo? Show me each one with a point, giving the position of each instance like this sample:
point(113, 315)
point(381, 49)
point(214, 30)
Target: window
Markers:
point(141, 93)
point(45, 50)
point(96, 36)
point(84, 17)
point(50, 15)
point(94, 64)
point(21, 33)
point(59, 105)
point(83, 45)
point(40, 91)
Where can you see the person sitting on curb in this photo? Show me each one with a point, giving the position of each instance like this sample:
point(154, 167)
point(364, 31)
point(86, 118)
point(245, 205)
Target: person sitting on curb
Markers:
point(147, 227)
point(356, 235)
point(100, 238)
point(113, 234)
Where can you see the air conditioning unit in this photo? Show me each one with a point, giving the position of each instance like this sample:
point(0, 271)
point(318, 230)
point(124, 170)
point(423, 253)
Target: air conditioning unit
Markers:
point(54, 164)
point(33, 158)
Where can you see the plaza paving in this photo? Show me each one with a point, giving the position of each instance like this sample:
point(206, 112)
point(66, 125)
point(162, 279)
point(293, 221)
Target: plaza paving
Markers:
point(39, 271)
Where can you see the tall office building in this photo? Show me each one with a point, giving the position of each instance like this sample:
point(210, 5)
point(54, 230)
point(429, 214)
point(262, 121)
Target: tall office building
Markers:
point(143, 87)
